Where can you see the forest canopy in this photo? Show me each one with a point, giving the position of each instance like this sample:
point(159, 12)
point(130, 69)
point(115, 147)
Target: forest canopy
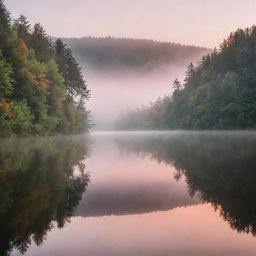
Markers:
point(42, 90)
point(122, 54)
point(218, 93)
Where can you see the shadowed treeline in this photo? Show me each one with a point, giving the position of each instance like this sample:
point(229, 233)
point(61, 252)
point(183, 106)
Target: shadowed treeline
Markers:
point(41, 183)
point(127, 199)
point(219, 166)
point(141, 68)
point(119, 54)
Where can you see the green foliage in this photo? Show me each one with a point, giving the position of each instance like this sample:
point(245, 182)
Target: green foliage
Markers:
point(22, 118)
point(23, 28)
point(56, 88)
point(6, 81)
point(41, 44)
point(219, 93)
point(5, 31)
point(71, 72)
point(37, 82)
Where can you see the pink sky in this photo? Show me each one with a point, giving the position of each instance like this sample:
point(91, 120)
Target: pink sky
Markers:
point(197, 22)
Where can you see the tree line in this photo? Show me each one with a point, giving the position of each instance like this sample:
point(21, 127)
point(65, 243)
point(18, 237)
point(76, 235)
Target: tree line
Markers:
point(42, 90)
point(218, 93)
point(120, 54)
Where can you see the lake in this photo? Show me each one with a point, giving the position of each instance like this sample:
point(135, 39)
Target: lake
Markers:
point(129, 194)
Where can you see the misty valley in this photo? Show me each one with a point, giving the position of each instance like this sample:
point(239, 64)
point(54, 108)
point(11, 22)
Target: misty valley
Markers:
point(127, 73)
point(156, 193)
point(127, 128)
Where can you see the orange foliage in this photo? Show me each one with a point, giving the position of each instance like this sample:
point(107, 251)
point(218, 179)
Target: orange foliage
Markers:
point(30, 76)
point(35, 82)
point(45, 84)
point(39, 80)
point(7, 108)
point(22, 48)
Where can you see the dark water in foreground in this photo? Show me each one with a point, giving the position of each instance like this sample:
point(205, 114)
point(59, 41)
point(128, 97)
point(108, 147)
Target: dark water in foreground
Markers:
point(129, 194)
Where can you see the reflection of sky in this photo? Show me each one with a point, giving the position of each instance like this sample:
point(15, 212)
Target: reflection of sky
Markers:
point(193, 230)
point(126, 184)
point(198, 22)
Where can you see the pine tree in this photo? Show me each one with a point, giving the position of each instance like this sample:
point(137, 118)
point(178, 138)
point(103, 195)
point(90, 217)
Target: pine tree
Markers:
point(70, 70)
point(42, 90)
point(6, 39)
point(41, 43)
point(23, 28)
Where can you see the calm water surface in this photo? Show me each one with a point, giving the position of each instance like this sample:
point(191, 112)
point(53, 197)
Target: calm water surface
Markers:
point(129, 194)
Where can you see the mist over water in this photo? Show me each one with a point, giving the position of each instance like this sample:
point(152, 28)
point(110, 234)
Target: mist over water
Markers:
point(124, 73)
point(113, 92)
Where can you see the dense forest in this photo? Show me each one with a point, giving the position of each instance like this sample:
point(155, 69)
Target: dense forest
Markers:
point(42, 90)
point(218, 93)
point(122, 54)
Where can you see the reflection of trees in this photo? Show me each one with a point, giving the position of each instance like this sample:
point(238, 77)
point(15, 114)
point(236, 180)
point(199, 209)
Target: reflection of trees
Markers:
point(219, 166)
point(41, 183)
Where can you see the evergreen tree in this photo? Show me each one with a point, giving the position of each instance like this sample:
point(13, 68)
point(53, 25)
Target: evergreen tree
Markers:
point(218, 93)
point(23, 28)
point(70, 70)
point(5, 30)
point(40, 93)
point(41, 43)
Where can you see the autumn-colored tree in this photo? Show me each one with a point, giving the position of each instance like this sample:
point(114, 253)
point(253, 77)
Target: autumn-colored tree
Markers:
point(42, 90)
point(21, 48)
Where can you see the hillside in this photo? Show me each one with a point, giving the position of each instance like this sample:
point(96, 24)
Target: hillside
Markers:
point(122, 53)
point(42, 91)
point(219, 93)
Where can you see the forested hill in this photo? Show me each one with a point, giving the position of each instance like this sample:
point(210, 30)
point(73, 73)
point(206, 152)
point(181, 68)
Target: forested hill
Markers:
point(42, 90)
point(219, 93)
point(137, 54)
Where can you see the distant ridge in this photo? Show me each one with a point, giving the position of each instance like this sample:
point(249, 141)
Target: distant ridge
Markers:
point(126, 53)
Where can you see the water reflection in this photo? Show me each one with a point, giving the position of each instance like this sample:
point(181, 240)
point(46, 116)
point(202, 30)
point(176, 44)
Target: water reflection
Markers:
point(219, 166)
point(150, 193)
point(41, 183)
point(124, 184)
